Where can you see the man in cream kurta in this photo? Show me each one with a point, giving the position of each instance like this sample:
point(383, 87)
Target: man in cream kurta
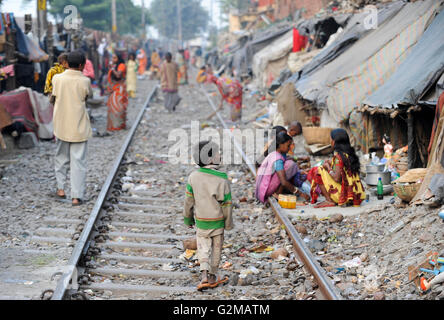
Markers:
point(72, 126)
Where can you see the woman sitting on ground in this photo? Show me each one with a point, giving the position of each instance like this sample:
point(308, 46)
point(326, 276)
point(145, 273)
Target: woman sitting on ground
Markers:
point(338, 179)
point(276, 172)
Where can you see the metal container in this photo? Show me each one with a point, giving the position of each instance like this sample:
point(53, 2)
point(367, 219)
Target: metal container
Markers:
point(374, 168)
point(373, 178)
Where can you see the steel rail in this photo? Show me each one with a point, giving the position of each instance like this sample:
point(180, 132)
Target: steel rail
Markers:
point(326, 286)
point(82, 244)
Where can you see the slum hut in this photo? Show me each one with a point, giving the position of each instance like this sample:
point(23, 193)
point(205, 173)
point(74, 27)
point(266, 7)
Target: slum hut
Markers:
point(296, 98)
point(339, 86)
point(411, 94)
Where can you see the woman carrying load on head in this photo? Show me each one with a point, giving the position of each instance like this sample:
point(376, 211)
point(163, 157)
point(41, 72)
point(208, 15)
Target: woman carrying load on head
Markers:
point(338, 179)
point(276, 172)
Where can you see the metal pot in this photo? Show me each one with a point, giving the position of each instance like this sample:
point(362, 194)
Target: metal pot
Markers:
point(374, 168)
point(373, 178)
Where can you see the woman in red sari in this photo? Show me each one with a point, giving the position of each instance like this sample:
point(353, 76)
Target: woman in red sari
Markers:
point(118, 100)
point(231, 92)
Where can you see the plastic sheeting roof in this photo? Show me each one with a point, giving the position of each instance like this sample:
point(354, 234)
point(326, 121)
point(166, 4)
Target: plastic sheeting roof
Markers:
point(419, 71)
point(342, 84)
point(352, 33)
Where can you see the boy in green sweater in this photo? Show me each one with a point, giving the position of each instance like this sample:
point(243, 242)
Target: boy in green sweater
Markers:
point(208, 206)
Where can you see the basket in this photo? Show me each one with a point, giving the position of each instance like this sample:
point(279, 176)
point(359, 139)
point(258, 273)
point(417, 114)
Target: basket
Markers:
point(406, 192)
point(317, 135)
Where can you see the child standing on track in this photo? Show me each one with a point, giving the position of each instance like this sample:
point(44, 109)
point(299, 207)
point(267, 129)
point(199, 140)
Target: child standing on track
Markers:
point(208, 206)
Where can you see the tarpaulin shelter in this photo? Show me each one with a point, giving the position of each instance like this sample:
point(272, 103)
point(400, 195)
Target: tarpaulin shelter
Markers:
point(421, 69)
point(353, 31)
point(377, 57)
point(243, 55)
point(414, 77)
point(343, 83)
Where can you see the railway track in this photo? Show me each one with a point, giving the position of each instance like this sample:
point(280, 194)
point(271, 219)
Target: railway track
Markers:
point(131, 245)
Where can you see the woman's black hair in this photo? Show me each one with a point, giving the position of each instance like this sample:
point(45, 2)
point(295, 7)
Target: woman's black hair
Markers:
point(279, 129)
point(342, 147)
point(119, 60)
point(132, 54)
point(116, 68)
point(273, 145)
point(282, 138)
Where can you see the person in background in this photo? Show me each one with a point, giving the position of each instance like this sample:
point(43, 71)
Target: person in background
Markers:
point(59, 67)
point(208, 206)
point(338, 179)
point(186, 55)
point(72, 126)
point(131, 79)
point(88, 71)
point(143, 61)
point(297, 152)
point(271, 144)
point(155, 62)
point(231, 91)
point(276, 172)
point(118, 100)
point(169, 83)
point(182, 75)
point(202, 75)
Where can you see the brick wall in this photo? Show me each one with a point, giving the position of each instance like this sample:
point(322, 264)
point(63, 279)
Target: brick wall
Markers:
point(312, 6)
point(285, 8)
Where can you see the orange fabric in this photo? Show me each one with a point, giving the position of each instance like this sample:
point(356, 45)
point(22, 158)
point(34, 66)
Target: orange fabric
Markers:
point(143, 61)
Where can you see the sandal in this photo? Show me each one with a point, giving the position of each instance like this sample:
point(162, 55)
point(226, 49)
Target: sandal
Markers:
point(218, 283)
point(77, 202)
point(203, 285)
point(325, 204)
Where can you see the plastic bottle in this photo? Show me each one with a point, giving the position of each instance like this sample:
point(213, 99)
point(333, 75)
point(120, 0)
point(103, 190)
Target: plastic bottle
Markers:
point(441, 214)
point(380, 189)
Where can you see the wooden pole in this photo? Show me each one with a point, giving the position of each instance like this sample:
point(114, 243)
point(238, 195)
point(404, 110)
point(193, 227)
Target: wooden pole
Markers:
point(38, 22)
point(50, 43)
point(143, 21)
point(411, 140)
point(179, 17)
point(10, 57)
point(114, 18)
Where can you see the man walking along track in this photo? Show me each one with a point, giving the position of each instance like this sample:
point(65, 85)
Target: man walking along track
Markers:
point(72, 126)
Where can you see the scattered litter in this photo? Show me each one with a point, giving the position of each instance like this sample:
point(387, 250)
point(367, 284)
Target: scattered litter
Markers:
point(127, 186)
point(141, 187)
point(167, 267)
point(226, 265)
point(353, 263)
point(187, 255)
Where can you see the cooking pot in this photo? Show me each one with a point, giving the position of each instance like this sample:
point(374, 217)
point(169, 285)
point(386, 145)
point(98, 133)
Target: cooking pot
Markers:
point(373, 178)
point(371, 168)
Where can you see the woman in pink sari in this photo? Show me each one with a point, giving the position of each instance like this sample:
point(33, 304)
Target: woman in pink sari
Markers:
point(276, 172)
